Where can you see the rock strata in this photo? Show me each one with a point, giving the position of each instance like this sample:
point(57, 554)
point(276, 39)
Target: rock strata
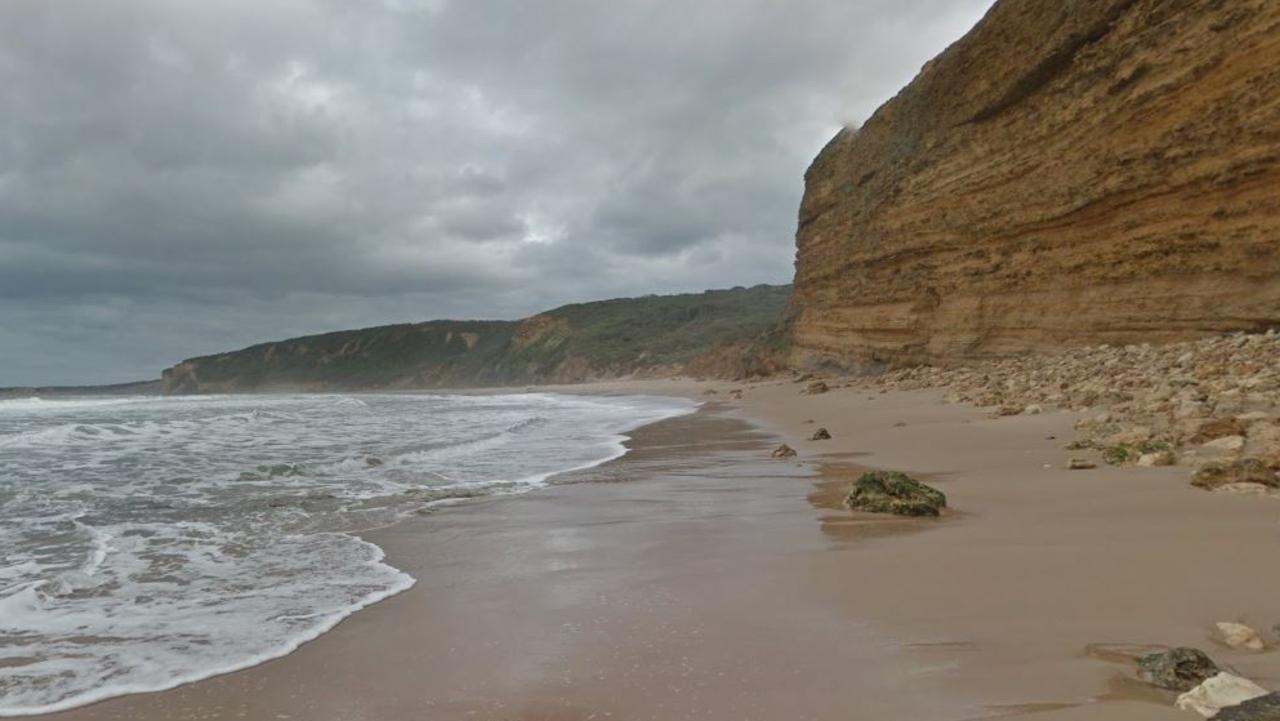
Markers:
point(1068, 173)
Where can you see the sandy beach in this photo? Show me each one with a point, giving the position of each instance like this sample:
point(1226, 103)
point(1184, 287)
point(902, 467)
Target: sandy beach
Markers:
point(695, 578)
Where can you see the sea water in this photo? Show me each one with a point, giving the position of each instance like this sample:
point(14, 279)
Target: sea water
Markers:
point(148, 542)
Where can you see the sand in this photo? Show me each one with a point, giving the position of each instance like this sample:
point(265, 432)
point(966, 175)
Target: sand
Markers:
point(695, 578)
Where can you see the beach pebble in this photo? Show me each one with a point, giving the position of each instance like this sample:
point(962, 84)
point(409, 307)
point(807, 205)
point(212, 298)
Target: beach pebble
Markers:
point(1081, 464)
point(821, 435)
point(1239, 636)
point(783, 451)
point(1219, 692)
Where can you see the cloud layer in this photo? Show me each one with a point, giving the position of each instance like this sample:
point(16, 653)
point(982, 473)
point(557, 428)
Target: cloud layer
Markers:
point(180, 177)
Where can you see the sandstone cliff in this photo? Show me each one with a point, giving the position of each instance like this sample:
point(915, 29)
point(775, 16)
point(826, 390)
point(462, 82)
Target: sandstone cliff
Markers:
point(1067, 173)
point(710, 334)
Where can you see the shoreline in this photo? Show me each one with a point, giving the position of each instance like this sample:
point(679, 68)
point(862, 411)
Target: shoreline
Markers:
point(965, 620)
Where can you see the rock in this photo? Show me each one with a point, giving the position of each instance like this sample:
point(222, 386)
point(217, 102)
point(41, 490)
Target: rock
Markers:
point(710, 392)
point(1156, 458)
point(1246, 470)
point(1034, 409)
point(373, 461)
point(1239, 636)
point(1259, 708)
point(1081, 464)
point(1010, 409)
point(1244, 489)
point(1225, 444)
point(783, 451)
point(821, 435)
point(1203, 430)
point(896, 493)
point(1129, 437)
point(816, 388)
point(1221, 691)
point(1178, 669)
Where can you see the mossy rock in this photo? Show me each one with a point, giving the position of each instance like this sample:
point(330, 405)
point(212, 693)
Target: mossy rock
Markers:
point(896, 493)
point(1178, 669)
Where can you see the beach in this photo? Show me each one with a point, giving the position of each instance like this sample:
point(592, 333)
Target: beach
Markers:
point(697, 578)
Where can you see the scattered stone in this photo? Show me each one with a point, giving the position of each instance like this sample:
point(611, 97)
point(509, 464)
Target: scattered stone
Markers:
point(1222, 691)
point(1246, 470)
point(1034, 409)
point(1184, 394)
point(783, 451)
point(900, 424)
point(1079, 445)
point(821, 435)
point(1081, 464)
point(1260, 708)
point(816, 388)
point(1010, 409)
point(735, 395)
point(1239, 636)
point(1178, 669)
point(896, 493)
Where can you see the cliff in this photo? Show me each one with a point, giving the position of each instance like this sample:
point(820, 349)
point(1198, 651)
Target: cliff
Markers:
point(710, 334)
point(1067, 173)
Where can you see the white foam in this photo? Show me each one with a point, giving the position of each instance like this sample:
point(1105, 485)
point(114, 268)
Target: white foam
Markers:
point(195, 538)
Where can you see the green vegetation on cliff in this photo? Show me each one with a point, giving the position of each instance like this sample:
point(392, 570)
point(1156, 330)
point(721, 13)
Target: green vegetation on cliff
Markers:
point(709, 333)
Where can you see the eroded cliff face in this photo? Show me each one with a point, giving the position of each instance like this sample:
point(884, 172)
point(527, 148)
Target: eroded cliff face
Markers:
point(1070, 172)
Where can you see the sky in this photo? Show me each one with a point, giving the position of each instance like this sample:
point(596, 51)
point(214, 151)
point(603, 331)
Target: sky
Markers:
point(181, 177)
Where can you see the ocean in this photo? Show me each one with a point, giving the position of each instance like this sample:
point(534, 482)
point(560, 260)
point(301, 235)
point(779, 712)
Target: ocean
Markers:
point(149, 542)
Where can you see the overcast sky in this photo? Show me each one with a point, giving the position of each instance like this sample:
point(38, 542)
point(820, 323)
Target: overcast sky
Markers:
point(180, 177)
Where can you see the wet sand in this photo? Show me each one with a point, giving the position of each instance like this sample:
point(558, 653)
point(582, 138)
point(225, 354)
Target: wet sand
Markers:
point(694, 578)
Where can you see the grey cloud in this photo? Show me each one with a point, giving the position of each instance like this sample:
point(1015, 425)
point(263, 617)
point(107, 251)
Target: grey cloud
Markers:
point(182, 178)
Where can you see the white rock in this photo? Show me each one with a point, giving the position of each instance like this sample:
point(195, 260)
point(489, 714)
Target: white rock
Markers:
point(1157, 458)
point(1226, 444)
point(1240, 636)
point(1033, 410)
point(1219, 692)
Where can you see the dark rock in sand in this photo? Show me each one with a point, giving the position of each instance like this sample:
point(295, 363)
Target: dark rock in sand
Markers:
point(783, 451)
point(1178, 669)
point(821, 435)
point(1245, 470)
point(1262, 708)
point(896, 493)
point(816, 388)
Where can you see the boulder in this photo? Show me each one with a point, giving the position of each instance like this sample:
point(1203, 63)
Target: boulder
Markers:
point(821, 435)
point(1239, 636)
point(783, 451)
point(1178, 669)
point(1246, 470)
point(896, 493)
point(1081, 464)
point(1259, 708)
point(1222, 691)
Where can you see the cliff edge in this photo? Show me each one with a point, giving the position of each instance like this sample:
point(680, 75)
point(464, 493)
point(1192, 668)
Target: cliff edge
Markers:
point(1068, 173)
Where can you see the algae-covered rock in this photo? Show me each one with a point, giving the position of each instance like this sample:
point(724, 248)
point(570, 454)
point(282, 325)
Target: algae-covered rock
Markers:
point(1262, 708)
point(896, 493)
point(1178, 669)
point(783, 451)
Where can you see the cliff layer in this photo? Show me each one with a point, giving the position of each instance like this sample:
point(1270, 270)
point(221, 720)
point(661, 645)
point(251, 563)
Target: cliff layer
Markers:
point(1067, 173)
point(705, 334)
